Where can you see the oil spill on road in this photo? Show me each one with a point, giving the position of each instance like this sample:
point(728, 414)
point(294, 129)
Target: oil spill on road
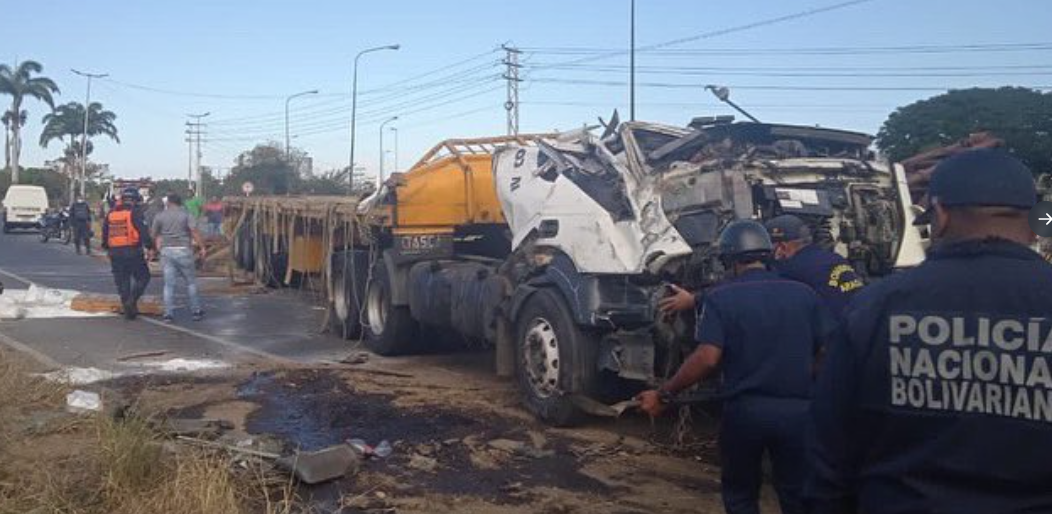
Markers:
point(312, 409)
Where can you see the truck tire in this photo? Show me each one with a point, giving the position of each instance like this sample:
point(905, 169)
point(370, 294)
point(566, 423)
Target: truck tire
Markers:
point(344, 314)
point(389, 329)
point(246, 258)
point(554, 358)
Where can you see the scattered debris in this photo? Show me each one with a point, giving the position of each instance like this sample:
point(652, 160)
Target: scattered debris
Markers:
point(81, 401)
point(142, 355)
point(80, 376)
point(111, 304)
point(204, 428)
point(355, 358)
point(308, 467)
point(380, 451)
point(422, 463)
point(181, 364)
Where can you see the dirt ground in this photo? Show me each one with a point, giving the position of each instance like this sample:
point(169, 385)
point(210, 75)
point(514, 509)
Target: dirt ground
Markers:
point(461, 442)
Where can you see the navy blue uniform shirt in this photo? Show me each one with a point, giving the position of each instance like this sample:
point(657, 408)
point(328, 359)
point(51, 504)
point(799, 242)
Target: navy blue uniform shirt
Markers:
point(829, 274)
point(769, 329)
point(938, 398)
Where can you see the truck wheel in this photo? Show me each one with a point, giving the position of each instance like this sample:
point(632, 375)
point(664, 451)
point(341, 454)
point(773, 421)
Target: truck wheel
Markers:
point(389, 329)
point(246, 258)
point(344, 315)
point(555, 359)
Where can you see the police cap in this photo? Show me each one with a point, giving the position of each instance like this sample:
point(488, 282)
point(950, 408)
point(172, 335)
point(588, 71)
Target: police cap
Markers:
point(984, 177)
point(787, 228)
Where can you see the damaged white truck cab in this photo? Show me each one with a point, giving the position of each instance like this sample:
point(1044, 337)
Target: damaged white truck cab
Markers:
point(599, 225)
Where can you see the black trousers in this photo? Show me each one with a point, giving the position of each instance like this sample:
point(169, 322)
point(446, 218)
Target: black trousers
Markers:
point(82, 235)
point(753, 426)
point(131, 274)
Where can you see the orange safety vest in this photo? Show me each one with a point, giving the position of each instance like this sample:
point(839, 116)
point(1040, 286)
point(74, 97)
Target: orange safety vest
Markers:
point(122, 231)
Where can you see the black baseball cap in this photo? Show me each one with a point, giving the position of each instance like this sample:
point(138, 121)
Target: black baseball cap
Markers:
point(787, 228)
point(984, 177)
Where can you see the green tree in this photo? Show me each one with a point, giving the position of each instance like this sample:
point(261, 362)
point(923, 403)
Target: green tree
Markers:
point(20, 83)
point(66, 124)
point(1020, 116)
point(265, 166)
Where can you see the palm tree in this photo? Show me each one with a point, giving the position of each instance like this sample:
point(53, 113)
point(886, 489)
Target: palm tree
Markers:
point(20, 83)
point(9, 119)
point(68, 121)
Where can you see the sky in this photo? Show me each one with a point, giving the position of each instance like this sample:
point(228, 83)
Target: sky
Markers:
point(846, 67)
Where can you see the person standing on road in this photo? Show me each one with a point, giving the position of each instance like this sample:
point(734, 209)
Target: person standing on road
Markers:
point(126, 237)
point(214, 216)
point(764, 331)
point(938, 395)
point(80, 218)
point(175, 233)
point(797, 257)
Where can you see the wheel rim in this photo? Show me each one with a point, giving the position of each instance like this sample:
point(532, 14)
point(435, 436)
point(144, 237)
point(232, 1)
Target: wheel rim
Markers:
point(339, 301)
point(377, 310)
point(541, 352)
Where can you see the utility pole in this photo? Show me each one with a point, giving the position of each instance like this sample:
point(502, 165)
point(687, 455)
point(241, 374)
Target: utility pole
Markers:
point(195, 130)
point(84, 136)
point(632, 65)
point(395, 130)
point(511, 75)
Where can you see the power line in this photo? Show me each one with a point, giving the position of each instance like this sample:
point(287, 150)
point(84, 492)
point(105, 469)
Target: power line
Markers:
point(837, 50)
point(760, 87)
point(759, 72)
point(722, 32)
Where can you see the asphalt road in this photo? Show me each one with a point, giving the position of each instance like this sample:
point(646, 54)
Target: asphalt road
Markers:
point(279, 326)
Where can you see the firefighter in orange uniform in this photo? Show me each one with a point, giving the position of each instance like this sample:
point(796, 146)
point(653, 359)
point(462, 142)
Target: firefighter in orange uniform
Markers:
point(127, 239)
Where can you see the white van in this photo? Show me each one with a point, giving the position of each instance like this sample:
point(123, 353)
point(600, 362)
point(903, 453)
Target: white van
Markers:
point(23, 207)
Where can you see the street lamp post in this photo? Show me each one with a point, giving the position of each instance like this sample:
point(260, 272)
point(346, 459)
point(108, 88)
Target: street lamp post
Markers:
point(84, 136)
point(288, 154)
point(395, 130)
point(354, 108)
point(380, 176)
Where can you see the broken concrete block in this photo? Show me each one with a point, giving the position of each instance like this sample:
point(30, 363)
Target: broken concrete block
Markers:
point(80, 401)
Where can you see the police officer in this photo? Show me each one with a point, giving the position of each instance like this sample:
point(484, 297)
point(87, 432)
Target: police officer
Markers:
point(797, 257)
point(938, 398)
point(125, 236)
point(764, 331)
point(80, 216)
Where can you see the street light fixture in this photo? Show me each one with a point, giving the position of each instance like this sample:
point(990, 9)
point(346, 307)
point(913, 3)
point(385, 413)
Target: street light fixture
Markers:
point(380, 176)
point(287, 100)
point(354, 107)
point(84, 137)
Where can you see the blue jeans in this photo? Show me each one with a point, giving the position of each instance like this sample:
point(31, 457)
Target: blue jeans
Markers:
point(179, 262)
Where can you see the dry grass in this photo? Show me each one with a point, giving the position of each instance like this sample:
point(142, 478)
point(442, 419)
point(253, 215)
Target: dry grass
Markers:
point(99, 465)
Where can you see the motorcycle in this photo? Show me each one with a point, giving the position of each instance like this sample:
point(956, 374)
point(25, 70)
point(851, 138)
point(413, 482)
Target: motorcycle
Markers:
point(56, 225)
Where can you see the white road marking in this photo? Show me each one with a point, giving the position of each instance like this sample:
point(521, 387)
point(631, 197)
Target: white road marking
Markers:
point(237, 347)
point(36, 355)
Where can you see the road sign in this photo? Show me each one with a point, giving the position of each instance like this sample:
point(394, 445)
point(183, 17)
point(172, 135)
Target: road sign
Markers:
point(1041, 219)
point(248, 188)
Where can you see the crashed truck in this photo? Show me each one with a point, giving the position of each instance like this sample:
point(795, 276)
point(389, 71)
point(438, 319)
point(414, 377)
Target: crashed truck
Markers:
point(555, 249)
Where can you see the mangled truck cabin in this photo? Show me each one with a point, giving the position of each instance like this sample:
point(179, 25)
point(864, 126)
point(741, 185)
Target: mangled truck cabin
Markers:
point(556, 248)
